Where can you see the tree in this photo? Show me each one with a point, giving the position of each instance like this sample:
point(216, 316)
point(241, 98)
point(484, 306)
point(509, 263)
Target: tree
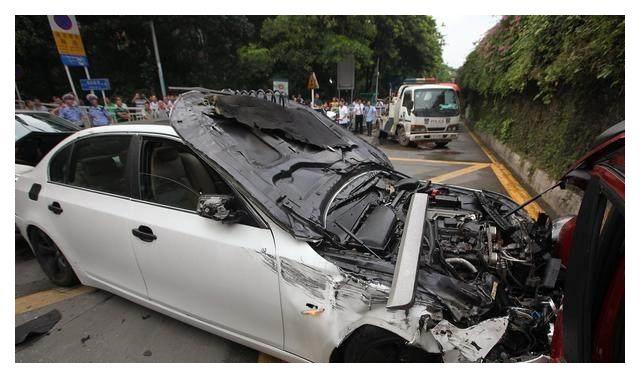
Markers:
point(231, 51)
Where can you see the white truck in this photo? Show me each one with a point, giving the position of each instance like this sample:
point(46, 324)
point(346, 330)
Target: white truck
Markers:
point(423, 111)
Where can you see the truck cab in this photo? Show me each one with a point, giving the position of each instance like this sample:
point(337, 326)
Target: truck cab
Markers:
point(424, 113)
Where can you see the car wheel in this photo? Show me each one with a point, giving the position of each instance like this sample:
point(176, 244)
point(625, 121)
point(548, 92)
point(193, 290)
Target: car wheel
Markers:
point(51, 259)
point(373, 344)
point(403, 139)
point(441, 144)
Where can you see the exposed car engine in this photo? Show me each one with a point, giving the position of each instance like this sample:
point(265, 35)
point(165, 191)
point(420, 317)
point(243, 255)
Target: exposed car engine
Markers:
point(475, 263)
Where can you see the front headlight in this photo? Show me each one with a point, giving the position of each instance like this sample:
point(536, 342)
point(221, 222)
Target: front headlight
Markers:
point(418, 129)
point(452, 128)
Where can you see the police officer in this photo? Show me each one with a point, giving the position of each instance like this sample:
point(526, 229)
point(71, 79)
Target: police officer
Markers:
point(70, 111)
point(98, 114)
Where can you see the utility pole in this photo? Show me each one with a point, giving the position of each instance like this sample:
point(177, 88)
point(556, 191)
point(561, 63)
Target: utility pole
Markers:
point(377, 76)
point(157, 53)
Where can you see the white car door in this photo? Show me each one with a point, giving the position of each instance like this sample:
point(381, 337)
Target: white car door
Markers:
point(88, 201)
point(223, 274)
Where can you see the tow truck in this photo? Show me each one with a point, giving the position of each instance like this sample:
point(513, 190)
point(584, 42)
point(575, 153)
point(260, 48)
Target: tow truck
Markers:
point(423, 111)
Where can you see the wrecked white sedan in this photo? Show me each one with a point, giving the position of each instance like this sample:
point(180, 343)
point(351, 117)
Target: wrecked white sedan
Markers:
point(271, 226)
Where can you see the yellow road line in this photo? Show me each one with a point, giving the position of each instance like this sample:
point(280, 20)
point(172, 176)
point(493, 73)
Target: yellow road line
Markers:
point(44, 298)
point(265, 358)
point(433, 161)
point(510, 183)
point(448, 176)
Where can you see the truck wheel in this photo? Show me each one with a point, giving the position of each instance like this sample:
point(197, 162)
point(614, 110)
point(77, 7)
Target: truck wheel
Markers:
point(51, 259)
point(402, 137)
point(441, 144)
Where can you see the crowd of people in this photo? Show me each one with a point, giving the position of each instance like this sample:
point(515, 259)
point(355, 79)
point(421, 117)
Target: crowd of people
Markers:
point(355, 116)
point(112, 111)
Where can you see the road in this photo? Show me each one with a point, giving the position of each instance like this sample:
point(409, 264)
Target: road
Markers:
point(99, 327)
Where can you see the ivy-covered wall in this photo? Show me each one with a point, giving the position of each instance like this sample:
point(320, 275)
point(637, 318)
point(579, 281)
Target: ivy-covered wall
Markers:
point(547, 85)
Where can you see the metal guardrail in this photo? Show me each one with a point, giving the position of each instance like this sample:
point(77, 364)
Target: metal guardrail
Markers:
point(136, 113)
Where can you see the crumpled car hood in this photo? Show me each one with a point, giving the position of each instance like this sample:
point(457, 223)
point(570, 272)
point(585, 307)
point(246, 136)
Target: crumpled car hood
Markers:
point(289, 159)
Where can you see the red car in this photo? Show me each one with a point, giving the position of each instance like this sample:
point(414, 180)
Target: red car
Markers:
point(590, 325)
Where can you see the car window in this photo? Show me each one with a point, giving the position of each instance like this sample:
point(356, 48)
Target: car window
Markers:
point(99, 163)
point(59, 165)
point(171, 174)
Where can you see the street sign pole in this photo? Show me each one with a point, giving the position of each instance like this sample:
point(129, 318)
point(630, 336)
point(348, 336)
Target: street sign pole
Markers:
point(18, 93)
point(157, 53)
point(86, 72)
point(73, 88)
point(104, 98)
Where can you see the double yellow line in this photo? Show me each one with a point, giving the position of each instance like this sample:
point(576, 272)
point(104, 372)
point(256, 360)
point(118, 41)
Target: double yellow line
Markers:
point(510, 183)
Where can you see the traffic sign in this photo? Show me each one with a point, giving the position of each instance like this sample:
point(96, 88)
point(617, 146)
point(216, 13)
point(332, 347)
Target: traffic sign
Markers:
point(281, 85)
point(95, 84)
point(68, 41)
point(312, 83)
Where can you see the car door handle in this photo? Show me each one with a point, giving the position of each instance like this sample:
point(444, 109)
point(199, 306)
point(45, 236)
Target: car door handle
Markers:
point(144, 233)
point(55, 208)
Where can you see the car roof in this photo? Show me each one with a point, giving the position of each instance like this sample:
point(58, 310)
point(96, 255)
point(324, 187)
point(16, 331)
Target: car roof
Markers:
point(428, 86)
point(27, 111)
point(128, 128)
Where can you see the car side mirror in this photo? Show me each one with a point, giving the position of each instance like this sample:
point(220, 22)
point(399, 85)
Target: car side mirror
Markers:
point(218, 207)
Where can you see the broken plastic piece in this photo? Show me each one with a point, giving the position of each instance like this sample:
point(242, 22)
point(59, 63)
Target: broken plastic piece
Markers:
point(469, 344)
point(37, 326)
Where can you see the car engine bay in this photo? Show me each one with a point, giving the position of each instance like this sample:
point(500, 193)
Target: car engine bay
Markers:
point(479, 259)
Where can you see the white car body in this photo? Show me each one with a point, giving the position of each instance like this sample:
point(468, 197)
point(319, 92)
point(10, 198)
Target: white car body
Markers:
point(226, 279)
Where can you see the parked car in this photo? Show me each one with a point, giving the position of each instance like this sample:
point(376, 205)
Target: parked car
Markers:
point(277, 229)
point(36, 133)
point(590, 327)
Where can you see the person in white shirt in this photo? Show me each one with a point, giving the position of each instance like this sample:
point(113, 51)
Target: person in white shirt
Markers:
point(370, 113)
point(343, 115)
point(358, 111)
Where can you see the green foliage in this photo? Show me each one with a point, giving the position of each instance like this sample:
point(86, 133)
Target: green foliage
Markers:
point(257, 64)
point(547, 85)
point(547, 52)
point(233, 51)
point(405, 45)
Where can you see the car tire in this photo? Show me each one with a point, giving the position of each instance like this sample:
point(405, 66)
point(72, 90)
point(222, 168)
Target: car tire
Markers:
point(402, 137)
point(54, 264)
point(441, 144)
point(373, 344)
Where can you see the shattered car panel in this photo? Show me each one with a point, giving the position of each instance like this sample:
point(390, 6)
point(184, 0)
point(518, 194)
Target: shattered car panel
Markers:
point(481, 290)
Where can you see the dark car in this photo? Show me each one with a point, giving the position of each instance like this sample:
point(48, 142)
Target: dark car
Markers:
point(37, 132)
point(590, 326)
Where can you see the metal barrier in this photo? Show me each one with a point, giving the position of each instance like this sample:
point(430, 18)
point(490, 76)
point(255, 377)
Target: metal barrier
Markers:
point(136, 113)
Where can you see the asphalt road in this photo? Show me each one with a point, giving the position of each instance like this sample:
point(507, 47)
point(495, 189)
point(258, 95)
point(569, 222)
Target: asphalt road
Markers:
point(99, 327)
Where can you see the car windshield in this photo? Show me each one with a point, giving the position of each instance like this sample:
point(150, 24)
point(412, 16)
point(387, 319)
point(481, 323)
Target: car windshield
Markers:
point(436, 103)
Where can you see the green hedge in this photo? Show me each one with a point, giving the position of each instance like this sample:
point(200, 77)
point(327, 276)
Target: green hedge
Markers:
point(547, 85)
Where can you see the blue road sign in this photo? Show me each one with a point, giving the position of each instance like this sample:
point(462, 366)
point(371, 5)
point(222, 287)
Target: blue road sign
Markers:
point(95, 84)
point(74, 60)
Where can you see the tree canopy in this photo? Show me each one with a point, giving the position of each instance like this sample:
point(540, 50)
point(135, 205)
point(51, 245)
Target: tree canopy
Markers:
point(233, 51)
